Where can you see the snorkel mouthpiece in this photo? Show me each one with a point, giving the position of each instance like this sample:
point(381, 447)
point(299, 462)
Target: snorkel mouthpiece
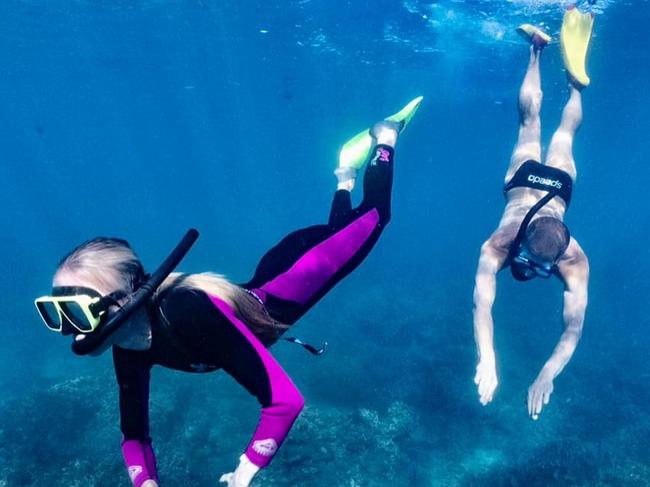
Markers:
point(137, 299)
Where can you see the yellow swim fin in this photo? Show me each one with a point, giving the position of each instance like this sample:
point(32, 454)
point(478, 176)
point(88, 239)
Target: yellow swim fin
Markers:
point(355, 151)
point(575, 36)
point(405, 115)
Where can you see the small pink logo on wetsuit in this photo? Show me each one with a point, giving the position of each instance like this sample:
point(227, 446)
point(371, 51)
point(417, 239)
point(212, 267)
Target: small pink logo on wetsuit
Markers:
point(382, 155)
point(266, 448)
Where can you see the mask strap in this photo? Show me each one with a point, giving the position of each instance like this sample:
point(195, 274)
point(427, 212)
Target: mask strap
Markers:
point(310, 348)
point(106, 301)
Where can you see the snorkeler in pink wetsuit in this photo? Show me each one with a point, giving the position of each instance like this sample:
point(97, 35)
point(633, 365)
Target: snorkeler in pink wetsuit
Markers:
point(202, 322)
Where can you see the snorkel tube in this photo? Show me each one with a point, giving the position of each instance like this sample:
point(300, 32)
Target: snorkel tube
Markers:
point(138, 298)
point(519, 272)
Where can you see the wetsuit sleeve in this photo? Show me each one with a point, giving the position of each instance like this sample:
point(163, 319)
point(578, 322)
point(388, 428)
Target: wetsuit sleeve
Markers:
point(252, 366)
point(133, 372)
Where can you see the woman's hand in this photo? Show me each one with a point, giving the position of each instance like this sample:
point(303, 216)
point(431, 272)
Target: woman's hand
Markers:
point(230, 480)
point(243, 475)
point(149, 483)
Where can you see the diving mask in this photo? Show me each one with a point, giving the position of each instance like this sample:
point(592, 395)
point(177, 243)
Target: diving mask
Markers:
point(526, 266)
point(81, 308)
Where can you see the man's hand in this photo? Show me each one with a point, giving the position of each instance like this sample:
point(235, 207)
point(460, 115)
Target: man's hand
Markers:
point(574, 270)
point(486, 380)
point(539, 394)
point(150, 483)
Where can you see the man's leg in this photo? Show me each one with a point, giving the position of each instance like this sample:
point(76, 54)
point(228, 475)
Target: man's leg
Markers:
point(560, 152)
point(529, 146)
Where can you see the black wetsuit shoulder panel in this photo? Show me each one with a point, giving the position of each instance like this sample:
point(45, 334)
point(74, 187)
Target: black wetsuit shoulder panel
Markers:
point(186, 331)
point(189, 333)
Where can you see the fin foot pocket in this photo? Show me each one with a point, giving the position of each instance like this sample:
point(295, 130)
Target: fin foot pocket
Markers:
point(355, 151)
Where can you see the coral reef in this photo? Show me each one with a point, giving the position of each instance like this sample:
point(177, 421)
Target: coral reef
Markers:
point(386, 405)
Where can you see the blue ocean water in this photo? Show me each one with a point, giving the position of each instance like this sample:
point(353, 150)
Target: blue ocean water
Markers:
point(139, 119)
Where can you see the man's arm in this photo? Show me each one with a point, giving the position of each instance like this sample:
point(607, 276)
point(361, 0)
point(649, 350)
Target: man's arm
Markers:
point(574, 270)
point(489, 264)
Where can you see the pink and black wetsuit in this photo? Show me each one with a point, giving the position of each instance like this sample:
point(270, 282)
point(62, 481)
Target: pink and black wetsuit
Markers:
point(195, 332)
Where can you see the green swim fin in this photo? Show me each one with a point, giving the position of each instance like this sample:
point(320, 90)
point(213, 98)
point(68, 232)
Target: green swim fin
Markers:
point(354, 152)
point(575, 36)
point(406, 114)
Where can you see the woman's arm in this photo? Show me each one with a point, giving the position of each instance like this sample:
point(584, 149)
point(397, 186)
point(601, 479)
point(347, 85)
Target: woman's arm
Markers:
point(133, 373)
point(256, 370)
point(216, 336)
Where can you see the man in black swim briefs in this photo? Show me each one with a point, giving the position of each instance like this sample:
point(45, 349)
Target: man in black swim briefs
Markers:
point(532, 238)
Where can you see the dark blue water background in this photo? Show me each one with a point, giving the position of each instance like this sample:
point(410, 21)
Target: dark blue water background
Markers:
point(139, 119)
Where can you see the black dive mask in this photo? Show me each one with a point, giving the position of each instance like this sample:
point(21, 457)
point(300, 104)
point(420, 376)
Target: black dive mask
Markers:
point(526, 266)
point(523, 264)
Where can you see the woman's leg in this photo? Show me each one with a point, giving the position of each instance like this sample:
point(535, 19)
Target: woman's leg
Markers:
point(297, 272)
point(560, 152)
point(529, 145)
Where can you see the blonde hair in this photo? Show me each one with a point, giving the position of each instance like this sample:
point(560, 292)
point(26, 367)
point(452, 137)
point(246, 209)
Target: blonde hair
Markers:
point(112, 264)
point(247, 307)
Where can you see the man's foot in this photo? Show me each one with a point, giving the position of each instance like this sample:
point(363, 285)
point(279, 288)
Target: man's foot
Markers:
point(534, 35)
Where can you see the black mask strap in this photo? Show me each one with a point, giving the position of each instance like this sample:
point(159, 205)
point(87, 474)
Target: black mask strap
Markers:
point(106, 301)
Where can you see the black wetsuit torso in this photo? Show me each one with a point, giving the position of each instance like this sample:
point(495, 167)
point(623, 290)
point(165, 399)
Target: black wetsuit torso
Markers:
point(201, 339)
